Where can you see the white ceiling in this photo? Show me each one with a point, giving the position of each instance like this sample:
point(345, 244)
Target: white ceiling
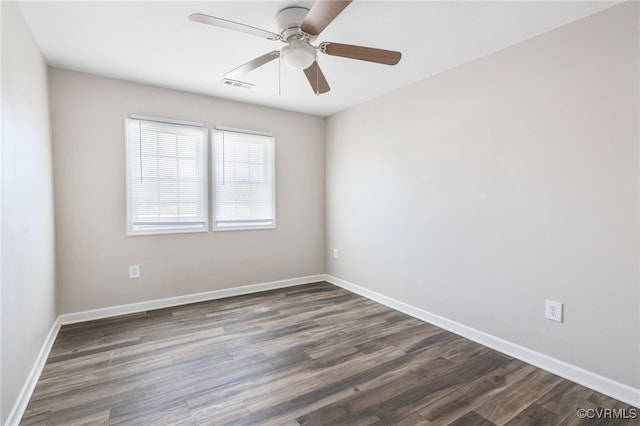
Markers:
point(153, 42)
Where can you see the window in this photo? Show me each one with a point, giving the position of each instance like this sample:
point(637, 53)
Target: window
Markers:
point(166, 177)
point(243, 179)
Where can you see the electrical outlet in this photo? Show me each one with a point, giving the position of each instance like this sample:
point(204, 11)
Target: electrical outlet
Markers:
point(335, 253)
point(553, 310)
point(134, 271)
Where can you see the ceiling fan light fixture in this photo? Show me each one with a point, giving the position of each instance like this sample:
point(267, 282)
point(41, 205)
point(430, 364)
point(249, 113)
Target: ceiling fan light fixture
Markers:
point(298, 55)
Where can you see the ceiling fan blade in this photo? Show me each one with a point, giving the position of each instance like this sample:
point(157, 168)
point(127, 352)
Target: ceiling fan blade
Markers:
point(253, 64)
point(316, 79)
point(231, 25)
point(321, 14)
point(381, 56)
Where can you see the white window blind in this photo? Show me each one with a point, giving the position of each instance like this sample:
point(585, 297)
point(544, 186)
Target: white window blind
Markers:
point(243, 180)
point(166, 177)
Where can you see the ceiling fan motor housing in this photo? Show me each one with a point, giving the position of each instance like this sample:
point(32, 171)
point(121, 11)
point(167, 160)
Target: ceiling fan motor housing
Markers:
point(289, 21)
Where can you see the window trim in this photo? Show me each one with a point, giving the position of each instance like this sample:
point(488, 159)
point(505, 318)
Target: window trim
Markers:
point(214, 221)
point(167, 227)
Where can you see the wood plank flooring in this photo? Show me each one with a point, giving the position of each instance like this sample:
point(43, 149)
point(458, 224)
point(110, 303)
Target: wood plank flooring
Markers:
point(307, 355)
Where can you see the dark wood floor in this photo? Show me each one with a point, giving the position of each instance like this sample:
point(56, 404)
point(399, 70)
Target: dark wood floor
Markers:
point(313, 354)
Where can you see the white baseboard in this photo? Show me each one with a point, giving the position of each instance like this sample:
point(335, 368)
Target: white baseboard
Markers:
point(132, 308)
point(612, 388)
point(32, 379)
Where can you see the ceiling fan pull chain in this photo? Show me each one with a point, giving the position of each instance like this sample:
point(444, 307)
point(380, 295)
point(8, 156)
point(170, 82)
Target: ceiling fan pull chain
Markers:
point(280, 75)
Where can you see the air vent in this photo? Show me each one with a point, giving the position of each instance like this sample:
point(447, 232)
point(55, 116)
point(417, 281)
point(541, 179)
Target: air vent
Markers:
point(236, 83)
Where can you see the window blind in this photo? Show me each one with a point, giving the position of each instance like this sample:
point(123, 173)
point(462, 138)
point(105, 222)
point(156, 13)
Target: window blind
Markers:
point(244, 182)
point(166, 177)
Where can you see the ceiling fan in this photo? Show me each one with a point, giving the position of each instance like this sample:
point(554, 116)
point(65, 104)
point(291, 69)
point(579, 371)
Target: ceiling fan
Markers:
point(298, 27)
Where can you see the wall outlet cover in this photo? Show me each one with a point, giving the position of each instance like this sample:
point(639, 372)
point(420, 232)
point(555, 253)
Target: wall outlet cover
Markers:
point(134, 271)
point(553, 310)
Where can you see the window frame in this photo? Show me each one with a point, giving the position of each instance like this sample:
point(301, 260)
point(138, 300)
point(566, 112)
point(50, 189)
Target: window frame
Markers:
point(175, 227)
point(214, 222)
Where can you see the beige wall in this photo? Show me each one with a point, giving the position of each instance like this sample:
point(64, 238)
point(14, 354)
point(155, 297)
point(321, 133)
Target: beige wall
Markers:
point(93, 251)
point(480, 192)
point(27, 237)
